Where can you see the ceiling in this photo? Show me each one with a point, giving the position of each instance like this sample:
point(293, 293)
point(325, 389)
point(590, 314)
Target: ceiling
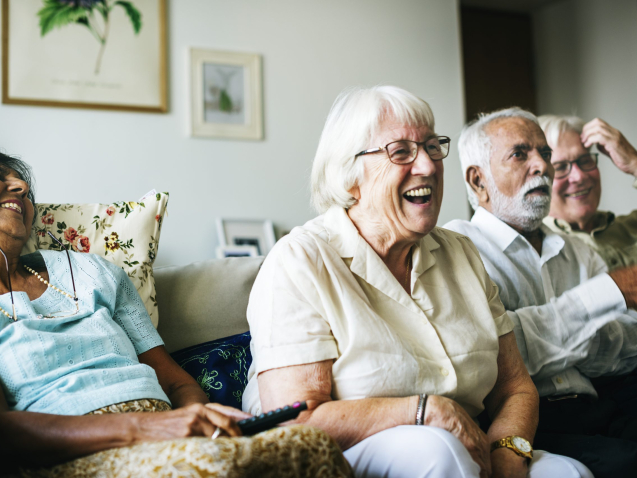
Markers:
point(508, 5)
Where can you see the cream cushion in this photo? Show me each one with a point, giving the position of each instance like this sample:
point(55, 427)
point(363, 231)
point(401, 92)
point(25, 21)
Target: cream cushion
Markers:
point(125, 233)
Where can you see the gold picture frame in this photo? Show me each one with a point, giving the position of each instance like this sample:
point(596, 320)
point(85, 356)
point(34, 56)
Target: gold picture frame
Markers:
point(226, 94)
point(113, 57)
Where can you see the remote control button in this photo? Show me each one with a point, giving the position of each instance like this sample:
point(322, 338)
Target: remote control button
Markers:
point(253, 419)
point(261, 416)
point(269, 414)
point(286, 408)
point(296, 404)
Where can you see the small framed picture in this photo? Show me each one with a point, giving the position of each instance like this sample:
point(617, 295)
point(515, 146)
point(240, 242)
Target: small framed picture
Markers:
point(224, 252)
point(240, 232)
point(226, 95)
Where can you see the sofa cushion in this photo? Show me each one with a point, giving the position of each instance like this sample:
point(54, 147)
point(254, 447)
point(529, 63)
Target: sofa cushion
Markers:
point(204, 301)
point(125, 233)
point(220, 367)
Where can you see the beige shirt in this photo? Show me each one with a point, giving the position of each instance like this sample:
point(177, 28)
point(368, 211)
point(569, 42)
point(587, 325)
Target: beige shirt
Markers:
point(323, 293)
point(614, 238)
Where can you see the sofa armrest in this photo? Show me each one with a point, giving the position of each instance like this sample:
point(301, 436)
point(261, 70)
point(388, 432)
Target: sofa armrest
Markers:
point(204, 301)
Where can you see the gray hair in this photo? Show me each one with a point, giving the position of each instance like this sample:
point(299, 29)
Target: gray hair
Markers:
point(474, 145)
point(554, 125)
point(354, 119)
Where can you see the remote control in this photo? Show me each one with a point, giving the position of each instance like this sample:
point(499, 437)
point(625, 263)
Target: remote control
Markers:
point(265, 421)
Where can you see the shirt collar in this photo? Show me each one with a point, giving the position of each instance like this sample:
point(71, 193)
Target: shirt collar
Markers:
point(503, 235)
point(494, 229)
point(345, 239)
point(603, 219)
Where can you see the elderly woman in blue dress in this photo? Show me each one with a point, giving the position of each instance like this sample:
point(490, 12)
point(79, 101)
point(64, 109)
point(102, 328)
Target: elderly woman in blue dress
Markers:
point(78, 353)
point(388, 326)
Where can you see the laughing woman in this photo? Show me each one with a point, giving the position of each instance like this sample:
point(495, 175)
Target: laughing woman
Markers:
point(384, 322)
point(80, 360)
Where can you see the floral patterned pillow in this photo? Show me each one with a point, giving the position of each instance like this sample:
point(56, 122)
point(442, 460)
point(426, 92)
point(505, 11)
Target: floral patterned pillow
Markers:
point(125, 233)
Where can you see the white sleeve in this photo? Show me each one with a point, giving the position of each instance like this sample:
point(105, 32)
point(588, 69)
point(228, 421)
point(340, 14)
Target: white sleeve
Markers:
point(587, 327)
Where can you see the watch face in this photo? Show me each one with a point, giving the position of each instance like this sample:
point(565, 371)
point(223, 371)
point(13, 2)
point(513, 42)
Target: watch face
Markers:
point(521, 444)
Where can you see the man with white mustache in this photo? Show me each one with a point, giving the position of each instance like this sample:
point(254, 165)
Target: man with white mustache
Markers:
point(572, 319)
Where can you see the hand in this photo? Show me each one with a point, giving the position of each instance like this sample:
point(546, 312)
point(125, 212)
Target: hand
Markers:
point(612, 143)
point(445, 413)
point(507, 464)
point(626, 280)
point(193, 420)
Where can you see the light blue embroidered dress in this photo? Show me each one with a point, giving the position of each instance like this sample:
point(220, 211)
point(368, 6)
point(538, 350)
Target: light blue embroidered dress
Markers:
point(74, 365)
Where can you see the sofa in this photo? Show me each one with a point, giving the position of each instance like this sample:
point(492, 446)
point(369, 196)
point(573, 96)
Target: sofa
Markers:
point(204, 301)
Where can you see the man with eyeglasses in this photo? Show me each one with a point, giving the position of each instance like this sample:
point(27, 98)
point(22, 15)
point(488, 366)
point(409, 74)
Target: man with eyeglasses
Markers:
point(571, 318)
point(577, 186)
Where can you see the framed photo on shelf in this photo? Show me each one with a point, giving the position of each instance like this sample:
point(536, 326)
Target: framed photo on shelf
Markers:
point(104, 54)
point(226, 95)
point(240, 232)
point(236, 251)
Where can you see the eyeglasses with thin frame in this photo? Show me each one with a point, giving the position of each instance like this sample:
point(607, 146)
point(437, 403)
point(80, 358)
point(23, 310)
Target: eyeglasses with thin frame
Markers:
point(54, 315)
point(586, 162)
point(405, 151)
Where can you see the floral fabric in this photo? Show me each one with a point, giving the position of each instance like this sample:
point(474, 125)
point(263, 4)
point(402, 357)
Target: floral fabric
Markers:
point(124, 233)
point(220, 367)
point(297, 451)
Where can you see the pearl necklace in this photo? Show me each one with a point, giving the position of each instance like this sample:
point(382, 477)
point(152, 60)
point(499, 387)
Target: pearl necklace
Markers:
point(42, 279)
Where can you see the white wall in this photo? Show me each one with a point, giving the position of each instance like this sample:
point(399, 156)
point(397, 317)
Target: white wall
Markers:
point(311, 51)
point(586, 52)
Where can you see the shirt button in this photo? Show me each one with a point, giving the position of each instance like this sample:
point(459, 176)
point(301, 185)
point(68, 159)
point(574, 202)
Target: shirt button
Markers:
point(69, 347)
point(559, 380)
point(71, 362)
point(104, 372)
point(444, 372)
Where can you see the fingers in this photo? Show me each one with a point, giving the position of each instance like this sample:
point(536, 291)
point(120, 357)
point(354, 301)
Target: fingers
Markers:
point(227, 424)
point(229, 411)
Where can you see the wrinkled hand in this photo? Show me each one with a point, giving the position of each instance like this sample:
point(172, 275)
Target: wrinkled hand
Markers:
point(626, 280)
point(506, 463)
point(612, 143)
point(445, 413)
point(193, 420)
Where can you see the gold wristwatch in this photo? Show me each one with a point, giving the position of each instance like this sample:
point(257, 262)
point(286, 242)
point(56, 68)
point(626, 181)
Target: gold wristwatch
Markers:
point(518, 444)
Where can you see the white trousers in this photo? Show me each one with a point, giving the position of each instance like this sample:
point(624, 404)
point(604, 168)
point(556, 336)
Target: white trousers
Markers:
point(411, 451)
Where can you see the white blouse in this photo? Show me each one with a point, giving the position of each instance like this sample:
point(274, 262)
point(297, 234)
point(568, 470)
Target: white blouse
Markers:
point(323, 293)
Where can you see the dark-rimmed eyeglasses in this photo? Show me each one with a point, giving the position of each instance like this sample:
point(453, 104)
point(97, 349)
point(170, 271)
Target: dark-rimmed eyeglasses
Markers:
point(54, 315)
point(586, 162)
point(405, 151)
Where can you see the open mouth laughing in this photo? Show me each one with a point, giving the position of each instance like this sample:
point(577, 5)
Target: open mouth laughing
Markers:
point(420, 195)
point(12, 206)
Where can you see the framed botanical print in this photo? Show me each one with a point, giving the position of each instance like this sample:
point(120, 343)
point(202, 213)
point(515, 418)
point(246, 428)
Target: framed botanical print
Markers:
point(226, 94)
point(104, 54)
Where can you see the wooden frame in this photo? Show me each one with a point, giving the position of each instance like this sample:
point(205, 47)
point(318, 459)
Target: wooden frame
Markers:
point(226, 95)
point(76, 85)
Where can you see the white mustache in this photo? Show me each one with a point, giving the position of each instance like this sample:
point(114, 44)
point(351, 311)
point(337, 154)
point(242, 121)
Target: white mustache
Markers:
point(536, 183)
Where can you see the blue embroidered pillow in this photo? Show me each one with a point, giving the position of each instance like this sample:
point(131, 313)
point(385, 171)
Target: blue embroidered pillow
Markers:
point(220, 367)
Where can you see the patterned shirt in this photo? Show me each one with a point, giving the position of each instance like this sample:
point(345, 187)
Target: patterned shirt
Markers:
point(614, 238)
point(73, 365)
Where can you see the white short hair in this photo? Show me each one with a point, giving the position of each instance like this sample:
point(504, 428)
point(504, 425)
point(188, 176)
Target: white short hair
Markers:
point(474, 145)
point(351, 124)
point(554, 125)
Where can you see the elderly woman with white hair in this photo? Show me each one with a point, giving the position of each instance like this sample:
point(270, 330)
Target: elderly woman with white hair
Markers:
point(389, 327)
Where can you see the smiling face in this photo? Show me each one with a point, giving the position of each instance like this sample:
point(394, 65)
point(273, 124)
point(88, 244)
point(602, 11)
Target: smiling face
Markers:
point(575, 197)
point(521, 173)
point(399, 202)
point(16, 210)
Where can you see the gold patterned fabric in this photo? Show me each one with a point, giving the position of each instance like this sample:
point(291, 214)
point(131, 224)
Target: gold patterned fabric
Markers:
point(297, 451)
point(145, 405)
